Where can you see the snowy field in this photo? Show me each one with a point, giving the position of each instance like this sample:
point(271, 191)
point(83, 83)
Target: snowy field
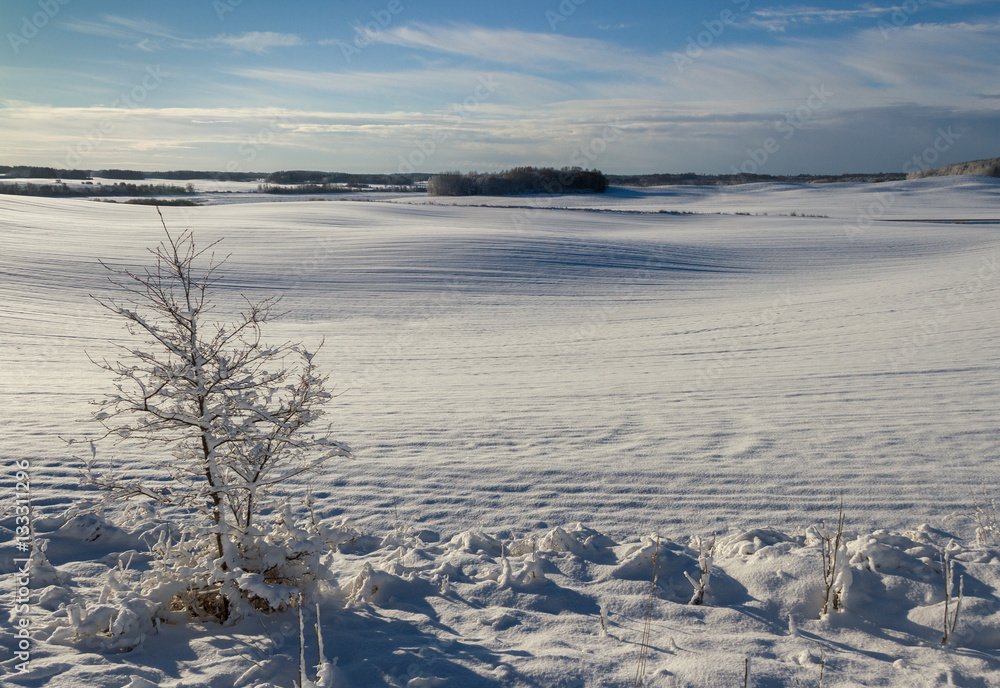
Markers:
point(939, 198)
point(508, 372)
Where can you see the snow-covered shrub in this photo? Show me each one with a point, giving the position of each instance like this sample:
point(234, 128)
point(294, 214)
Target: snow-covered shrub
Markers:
point(985, 515)
point(837, 575)
point(237, 415)
point(704, 570)
point(382, 588)
point(120, 619)
point(475, 541)
point(529, 575)
point(952, 604)
point(279, 567)
point(578, 540)
point(748, 543)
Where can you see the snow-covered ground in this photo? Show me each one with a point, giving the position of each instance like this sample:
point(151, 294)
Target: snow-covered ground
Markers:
point(961, 197)
point(510, 371)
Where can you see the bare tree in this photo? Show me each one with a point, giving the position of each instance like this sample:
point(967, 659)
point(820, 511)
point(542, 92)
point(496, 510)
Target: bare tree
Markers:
point(836, 567)
point(235, 413)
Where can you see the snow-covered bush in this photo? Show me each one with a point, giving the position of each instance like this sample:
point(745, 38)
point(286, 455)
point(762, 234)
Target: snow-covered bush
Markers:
point(233, 418)
point(278, 566)
point(837, 575)
point(705, 560)
point(985, 515)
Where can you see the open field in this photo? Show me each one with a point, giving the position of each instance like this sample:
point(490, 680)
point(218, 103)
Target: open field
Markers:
point(515, 369)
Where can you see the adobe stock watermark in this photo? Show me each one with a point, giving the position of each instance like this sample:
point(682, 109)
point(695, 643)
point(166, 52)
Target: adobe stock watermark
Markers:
point(874, 211)
point(393, 349)
point(698, 43)
point(565, 10)
point(30, 26)
point(224, 7)
point(249, 150)
point(758, 157)
point(124, 103)
point(621, 293)
point(877, 208)
point(584, 155)
point(458, 113)
point(900, 17)
point(925, 160)
point(956, 300)
point(365, 33)
point(589, 152)
point(722, 362)
point(20, 616)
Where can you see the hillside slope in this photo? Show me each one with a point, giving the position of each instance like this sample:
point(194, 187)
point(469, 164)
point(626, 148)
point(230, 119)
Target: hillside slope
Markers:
point(989, 167)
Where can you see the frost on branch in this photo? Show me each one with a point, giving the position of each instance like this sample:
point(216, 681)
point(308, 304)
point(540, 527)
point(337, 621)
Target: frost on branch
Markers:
point(230, 417)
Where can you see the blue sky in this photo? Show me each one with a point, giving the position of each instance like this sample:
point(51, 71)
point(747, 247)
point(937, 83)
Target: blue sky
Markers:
point(395, 85)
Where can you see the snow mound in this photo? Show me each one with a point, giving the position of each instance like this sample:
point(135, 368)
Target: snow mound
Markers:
point(471, 609)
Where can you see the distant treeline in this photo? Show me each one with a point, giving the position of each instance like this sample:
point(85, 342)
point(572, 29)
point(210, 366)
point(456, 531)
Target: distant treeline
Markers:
point(730, 179)
point(329, 188)
point(520, 180)
point(195, 174)
point(119, 189)
point(27, 172)
point(136, 175)
point(159, 201)
point(302, 189)
point(989, 167)
point(314, 177)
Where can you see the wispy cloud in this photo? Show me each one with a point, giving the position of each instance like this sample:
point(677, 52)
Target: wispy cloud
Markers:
point(651, 136)
point(540, 51)
point(441, 87)
point(554, 93)
point(256, 41)
point(933, 64)
point(153, 37)
point(780, 18)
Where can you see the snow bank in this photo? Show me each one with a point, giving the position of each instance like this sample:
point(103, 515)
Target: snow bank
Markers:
point(485, 609)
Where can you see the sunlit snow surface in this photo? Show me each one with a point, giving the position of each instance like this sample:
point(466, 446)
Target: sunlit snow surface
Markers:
point(504, 367)
point(526, 367)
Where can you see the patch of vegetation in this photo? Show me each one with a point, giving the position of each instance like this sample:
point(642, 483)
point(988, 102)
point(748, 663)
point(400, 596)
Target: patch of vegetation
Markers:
point(989, 167)
point(161, 201)
point(520, 180)
point(28, 172)
point(333, 188)
point(210, 176)
point(315, 177)
point(61, 190)
point(130, 175)
point(303, 189)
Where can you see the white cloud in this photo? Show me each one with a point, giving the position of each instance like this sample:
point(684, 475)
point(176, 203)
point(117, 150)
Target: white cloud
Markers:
point(256, 41)
point(541, 51)
point(553, 93)
point(113, 26)
point(653, 136)
point(153, 37)
point(780, 18)
point(438, 88)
